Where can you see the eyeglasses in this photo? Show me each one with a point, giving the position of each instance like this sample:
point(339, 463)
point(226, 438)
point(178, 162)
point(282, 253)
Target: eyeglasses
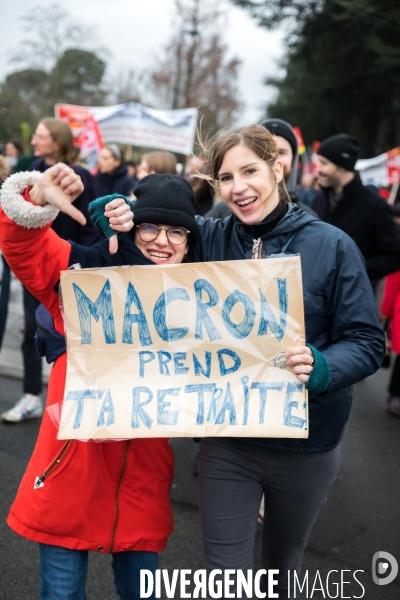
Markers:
point(175, 235)
point(37, 136)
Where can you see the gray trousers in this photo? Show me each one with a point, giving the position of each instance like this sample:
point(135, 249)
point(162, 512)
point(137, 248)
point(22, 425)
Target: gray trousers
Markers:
point(233, 475)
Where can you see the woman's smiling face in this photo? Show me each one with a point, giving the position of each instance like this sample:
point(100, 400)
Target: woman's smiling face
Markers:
point(248, 184)
point(160, 250)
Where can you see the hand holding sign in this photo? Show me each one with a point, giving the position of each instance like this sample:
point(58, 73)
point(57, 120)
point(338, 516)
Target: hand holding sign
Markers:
point(302, 360)
point(59, 186)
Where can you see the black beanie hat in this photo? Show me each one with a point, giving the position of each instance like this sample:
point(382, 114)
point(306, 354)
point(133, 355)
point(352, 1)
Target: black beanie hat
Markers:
point(283, 129)
point(341, 149)
point(167, 200)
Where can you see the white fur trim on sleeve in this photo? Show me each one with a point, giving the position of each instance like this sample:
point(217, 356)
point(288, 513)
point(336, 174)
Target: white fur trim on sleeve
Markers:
point(20, 211)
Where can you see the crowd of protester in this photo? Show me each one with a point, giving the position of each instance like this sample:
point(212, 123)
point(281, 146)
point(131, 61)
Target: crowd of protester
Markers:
point(248, 185)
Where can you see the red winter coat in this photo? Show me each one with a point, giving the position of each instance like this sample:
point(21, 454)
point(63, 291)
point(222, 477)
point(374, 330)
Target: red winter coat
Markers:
point(106, 497)
point(391, 308)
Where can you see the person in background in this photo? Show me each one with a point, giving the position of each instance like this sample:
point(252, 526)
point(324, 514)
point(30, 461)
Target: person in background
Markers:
point(15, 157)
point(52, 142)
point(159, 162)
point(112, 177)
point(13, 151)
point(132, 166)
point(309, 189)
point(354, 208)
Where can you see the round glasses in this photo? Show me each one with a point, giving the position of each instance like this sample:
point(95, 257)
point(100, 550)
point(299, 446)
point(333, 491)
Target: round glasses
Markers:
point(148, 232)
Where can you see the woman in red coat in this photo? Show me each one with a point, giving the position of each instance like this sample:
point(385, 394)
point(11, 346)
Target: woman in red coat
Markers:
point(75, 496)
point(391, 310)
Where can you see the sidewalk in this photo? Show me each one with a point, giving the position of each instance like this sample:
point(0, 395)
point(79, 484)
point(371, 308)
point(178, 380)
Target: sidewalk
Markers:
point(10, 354)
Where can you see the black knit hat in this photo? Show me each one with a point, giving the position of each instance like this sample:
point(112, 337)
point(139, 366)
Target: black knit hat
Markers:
point(283, 129)
point(166, 199)
point(341, 149)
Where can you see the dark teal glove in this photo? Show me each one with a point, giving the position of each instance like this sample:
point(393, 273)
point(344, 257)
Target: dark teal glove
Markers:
point(96, 212)
point(320, 375)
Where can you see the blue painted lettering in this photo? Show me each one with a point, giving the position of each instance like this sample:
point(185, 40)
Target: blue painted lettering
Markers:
point(138, 412)
point(166, 417)
point(201, 389)
point(139, 318)
point(244, 381)
point(180, 369)
point(79, 397)
point(107, 408)
point(144, 357)
point(201, 310)
point(159, 315)
point(224, 370)
point(267, 316)
point(263, 388)
point(291, 420)
point(227, 405)
point(239, 330)
point(102, 308)
point(163, 359)
point(198, 367)
point(212, 411)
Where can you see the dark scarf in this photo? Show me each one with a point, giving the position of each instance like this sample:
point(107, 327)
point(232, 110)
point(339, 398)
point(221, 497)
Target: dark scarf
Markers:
point(269, 223)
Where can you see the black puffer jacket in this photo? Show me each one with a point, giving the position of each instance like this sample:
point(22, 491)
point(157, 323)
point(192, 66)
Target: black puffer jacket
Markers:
point(340, 311)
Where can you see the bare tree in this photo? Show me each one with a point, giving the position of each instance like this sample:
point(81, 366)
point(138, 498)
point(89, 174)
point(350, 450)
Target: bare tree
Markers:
point(124, 86)
point(52, 30)
point(195, 69)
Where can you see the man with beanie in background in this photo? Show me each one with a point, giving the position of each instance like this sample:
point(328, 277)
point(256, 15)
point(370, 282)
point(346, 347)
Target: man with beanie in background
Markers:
point(354, 208)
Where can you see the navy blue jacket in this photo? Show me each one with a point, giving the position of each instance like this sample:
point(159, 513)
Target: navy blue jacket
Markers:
point(117, 183)
point(340, 311)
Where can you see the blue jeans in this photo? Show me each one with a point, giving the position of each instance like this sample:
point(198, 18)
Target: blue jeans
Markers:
point(63, 572)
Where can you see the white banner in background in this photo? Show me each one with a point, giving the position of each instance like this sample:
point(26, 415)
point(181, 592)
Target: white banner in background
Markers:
point(382, 171)
point(135, 124)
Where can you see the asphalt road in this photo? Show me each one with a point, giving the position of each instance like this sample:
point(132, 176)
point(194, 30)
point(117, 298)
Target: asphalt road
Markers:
point(360, 517)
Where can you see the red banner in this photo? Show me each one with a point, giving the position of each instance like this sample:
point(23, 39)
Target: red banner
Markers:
point(85, 130)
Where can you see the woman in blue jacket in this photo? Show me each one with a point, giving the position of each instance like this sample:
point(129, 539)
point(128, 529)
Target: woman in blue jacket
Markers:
point(345, 344)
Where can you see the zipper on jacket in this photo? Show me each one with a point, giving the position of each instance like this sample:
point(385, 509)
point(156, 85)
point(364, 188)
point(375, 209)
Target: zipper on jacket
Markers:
point(121, 476)
point(53, 465)
point(256, 248)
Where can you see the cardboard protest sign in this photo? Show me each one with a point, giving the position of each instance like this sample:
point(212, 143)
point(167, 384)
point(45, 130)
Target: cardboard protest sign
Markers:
point(184, 350)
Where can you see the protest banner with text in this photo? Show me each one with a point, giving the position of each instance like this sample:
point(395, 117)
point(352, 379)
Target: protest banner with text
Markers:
point(184, 350)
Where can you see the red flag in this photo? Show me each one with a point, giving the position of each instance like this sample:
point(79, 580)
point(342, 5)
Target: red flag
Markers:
point(300, 142)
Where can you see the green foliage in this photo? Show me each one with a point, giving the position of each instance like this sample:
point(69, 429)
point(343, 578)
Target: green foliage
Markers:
point(341, 68)
point(76, 78)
